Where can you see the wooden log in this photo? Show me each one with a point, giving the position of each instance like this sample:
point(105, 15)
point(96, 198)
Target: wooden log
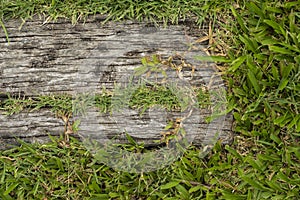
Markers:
point(29, 126)
point(58, 58)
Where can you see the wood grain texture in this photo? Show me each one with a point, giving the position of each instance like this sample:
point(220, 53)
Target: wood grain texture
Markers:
point(58, 57)
point(29, 126)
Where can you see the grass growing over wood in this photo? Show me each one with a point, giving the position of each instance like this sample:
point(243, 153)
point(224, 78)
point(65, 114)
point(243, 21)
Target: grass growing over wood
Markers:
point(262, 59)
point(143, 98)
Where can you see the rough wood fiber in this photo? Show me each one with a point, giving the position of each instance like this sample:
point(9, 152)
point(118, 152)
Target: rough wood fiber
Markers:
point(29, 126)
point(58, 57)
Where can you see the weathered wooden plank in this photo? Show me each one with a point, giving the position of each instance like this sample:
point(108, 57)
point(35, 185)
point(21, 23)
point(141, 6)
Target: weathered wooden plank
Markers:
point(38, 125)
point(43, 59)
point(29, 126)
point(148, 127)
point(58, 57)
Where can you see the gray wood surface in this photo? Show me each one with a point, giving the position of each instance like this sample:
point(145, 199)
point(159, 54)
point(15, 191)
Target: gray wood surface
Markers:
point(29, 126)
point(59, 58)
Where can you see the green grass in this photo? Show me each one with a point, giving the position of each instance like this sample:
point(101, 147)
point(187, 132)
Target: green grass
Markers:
point(261, 42)
point(116, 10)
point(143, 98)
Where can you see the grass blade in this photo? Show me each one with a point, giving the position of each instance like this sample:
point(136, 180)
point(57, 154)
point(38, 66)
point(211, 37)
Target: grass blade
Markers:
point(169, 185)
point(239, 20)
point(254, 81)
point(5, 31)
point(237, 63)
